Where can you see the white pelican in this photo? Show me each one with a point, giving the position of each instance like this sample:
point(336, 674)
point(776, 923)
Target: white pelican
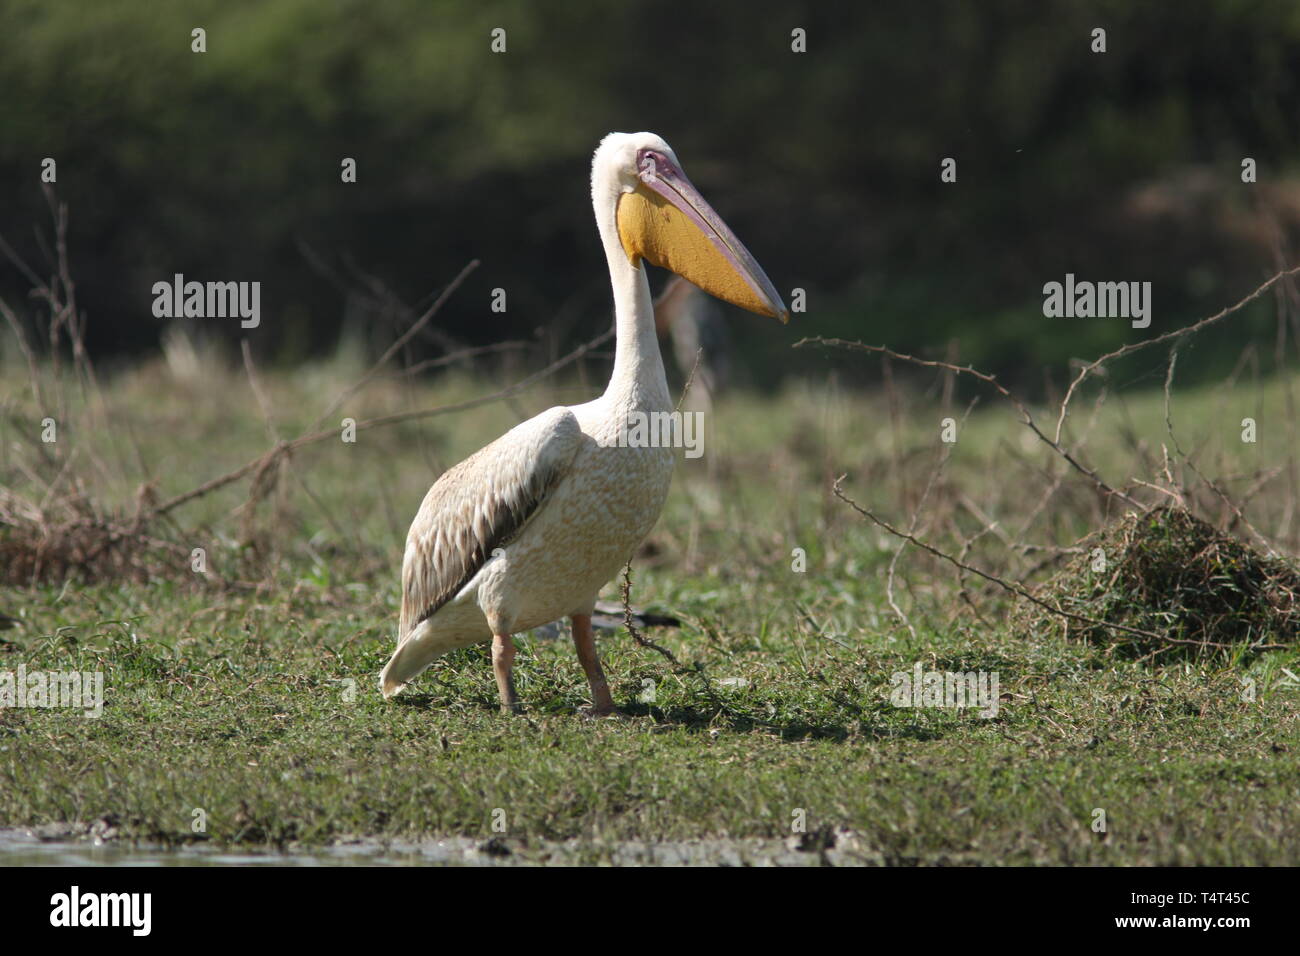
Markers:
point(530, 528)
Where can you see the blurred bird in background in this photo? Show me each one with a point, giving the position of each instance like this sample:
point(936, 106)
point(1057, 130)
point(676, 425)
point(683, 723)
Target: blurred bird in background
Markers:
point(694, 325)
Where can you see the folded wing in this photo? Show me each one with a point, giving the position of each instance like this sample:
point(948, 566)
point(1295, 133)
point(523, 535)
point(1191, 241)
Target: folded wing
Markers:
point(480, 505)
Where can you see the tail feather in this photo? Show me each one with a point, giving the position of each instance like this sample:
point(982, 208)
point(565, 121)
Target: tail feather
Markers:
point(409, 661)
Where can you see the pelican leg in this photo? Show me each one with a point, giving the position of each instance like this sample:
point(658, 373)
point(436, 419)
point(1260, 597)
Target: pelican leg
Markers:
point(602, 702)
point(503, 659)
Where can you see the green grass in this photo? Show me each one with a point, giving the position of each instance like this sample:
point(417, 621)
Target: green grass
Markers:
point(236, 702)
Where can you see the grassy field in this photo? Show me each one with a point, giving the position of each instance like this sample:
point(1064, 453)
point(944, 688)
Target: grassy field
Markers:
point(249, 693)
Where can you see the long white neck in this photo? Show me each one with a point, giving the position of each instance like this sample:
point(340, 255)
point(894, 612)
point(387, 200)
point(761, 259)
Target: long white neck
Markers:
point(638, 367)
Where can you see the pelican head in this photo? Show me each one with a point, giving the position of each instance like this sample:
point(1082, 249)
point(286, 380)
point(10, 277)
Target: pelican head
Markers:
point(662, 218)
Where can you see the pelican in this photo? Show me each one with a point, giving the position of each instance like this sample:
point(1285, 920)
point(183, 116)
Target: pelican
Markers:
point(528, 529)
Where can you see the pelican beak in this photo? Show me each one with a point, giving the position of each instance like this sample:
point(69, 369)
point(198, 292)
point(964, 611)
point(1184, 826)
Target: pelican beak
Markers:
point(666, 221)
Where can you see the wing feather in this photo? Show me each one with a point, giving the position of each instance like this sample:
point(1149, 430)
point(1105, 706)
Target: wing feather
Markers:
point(479, 505)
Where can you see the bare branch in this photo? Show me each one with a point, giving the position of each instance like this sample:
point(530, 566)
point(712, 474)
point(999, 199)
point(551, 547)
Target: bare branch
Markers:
point(1167, 336)
point(1026, 417)
point(396, 347)
point(1016, 589)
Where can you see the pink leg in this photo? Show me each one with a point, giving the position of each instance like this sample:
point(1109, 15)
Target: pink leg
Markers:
point(602, 702)
point(503, 658)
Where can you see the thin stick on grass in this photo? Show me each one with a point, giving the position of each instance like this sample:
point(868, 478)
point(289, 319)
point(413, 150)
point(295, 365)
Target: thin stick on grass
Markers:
point(1132, 347)
point(1019, 590)
point(401, 341)
point(247, 468)
point(1026, 417)
point(1188, 460)
point(460, 355)
point(628, 622)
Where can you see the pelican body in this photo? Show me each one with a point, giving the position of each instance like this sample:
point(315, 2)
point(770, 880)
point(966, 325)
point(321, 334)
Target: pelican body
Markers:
point(528, 529)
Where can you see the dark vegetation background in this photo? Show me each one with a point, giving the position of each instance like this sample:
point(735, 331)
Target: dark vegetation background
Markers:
point(233, 678)
point(225, 165)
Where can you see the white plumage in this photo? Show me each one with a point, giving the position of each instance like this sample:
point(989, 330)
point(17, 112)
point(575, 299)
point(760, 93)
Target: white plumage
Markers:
point(531, 527)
